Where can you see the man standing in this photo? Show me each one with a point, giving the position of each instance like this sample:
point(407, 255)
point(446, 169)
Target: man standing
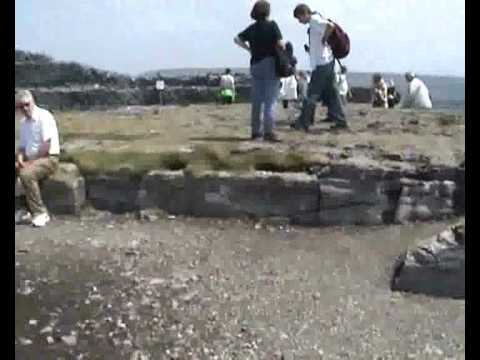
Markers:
point(322, 84)
point(37, 155)
point(227, 87)
point(417, 96)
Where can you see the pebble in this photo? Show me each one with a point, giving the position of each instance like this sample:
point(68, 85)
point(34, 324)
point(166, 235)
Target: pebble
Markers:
point(46, 330)
point(70, 340)
point(25, 341)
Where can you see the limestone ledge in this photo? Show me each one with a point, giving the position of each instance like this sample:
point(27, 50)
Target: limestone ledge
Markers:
point(341, 195)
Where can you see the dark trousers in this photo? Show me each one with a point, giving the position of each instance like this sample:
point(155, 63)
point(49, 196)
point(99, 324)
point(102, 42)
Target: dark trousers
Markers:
point(322, 88)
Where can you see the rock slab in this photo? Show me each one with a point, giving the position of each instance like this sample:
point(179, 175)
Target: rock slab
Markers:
point(435, 266)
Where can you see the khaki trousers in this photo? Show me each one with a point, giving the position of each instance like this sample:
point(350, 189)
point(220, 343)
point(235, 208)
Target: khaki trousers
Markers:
point(30, 176)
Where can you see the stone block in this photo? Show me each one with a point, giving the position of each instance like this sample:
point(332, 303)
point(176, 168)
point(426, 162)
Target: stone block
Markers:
point(115, 193)
point(262, 194)
point(435, 266)
point(64, 191)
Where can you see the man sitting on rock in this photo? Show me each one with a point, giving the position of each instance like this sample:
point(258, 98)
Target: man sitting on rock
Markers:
point(37, 156)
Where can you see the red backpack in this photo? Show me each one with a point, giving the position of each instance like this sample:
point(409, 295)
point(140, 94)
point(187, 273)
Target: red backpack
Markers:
point(338, 40)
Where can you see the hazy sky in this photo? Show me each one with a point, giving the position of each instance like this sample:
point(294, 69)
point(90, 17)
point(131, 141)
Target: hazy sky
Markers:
point(132, 36)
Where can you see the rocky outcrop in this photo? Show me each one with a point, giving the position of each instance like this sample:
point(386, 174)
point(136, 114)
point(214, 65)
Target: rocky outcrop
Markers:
point(435, 266)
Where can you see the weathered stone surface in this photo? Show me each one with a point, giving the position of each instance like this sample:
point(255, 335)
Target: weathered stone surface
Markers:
point(164, 190)
point(425, 200)
point(260, 194)
point(113, 193)
point(460, 191)
point(353, 201)
point(64, 192)
point(435, 266)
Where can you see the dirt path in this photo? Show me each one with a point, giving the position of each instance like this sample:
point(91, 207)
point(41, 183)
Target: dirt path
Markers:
point(104, 286)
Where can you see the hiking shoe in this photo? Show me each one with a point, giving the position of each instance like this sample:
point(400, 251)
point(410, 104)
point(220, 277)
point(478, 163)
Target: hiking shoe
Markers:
point(327, 120)
point(271, 137)
point(338, 126)
point(22, 217)
point(40, 220)
point(255, 136)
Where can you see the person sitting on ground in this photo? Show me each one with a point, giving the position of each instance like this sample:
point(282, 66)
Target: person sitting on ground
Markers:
point(379, 92)
point(37, 156)
point(227, 87)
point(393, 95)
point(417, 95)
point(288, 90)
point(261, 40)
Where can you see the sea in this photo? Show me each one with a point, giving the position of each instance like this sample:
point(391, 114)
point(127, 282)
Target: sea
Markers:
point(448, 92)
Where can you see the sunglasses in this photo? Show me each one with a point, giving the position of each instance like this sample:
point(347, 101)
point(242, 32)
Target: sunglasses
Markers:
point(23, 105)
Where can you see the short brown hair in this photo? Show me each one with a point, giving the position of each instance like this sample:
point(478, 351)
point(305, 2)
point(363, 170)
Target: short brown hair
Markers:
point(301, 9)
point(261, 10)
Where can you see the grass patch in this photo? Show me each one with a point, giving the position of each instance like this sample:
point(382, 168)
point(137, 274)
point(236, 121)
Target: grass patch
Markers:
point(290, 162)
point(130, 163)
point(449, 119)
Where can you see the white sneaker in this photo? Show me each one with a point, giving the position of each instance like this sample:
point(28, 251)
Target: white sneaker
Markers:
point(40, 220)
point(22, 217)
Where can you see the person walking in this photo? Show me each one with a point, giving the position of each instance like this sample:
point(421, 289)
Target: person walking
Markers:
point(260, 39)
point(322, 84)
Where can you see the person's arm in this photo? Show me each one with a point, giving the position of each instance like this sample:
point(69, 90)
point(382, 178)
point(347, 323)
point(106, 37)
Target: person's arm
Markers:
point(242, 44)
point(49, 129)
point(20, 154)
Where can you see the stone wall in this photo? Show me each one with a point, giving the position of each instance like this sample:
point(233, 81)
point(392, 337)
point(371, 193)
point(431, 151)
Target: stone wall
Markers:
point(88, 97)
point(359, 197)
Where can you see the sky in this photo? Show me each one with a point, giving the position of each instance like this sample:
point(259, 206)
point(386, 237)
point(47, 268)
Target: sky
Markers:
point(134, 36)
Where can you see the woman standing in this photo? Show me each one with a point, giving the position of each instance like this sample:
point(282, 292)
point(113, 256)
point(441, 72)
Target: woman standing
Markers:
point(260, 39)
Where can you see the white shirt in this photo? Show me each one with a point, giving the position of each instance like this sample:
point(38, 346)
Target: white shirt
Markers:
point(227, 81)
point(320, 54)
point(417, 96)
point(341, 83)
point(35, 131)
point(288, 90)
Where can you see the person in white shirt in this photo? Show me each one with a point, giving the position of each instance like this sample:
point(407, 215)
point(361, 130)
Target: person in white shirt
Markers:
point(227, 87)
point(37, 155)
point(288, 89)
point(322, 84)
point(417, 95)
point(342, 84)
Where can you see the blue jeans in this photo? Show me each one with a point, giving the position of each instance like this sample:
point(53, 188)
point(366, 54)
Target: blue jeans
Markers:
point(265, 88)
point(322, 88)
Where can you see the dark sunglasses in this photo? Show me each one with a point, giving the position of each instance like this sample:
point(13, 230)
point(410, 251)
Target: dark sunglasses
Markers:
point(23, 105)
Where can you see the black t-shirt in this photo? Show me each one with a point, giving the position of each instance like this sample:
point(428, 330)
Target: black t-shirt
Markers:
point(262, 36)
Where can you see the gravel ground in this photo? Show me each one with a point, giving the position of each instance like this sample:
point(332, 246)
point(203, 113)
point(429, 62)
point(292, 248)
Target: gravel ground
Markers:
point(111, 287)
